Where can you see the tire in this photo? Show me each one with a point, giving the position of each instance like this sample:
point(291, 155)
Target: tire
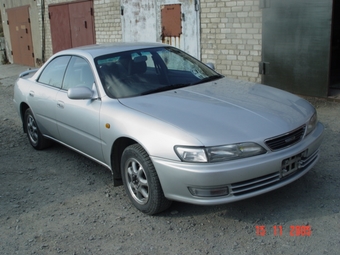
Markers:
point(34, 135)
point(141, 181)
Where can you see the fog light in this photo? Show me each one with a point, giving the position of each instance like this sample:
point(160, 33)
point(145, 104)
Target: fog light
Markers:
point(209, 192)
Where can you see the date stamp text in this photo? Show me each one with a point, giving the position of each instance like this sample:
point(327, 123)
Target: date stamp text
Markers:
point(277, 230)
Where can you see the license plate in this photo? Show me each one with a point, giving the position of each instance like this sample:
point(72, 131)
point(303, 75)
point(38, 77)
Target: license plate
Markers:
point(292, 164)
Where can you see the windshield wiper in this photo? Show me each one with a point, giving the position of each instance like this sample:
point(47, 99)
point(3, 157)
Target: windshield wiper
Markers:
point(165, 88)
point(207, 79)
point(181, 85)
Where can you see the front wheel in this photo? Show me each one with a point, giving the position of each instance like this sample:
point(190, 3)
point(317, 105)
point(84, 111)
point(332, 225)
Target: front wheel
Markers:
point(34, 135)
point(141, 181)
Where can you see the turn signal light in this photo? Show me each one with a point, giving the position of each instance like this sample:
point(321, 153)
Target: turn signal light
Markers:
point(209, 192)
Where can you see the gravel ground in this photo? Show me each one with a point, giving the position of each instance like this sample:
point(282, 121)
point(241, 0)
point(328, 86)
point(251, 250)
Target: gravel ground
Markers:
point(58, 202)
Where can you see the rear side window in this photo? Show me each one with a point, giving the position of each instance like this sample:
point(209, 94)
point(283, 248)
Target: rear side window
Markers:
point(53, 73)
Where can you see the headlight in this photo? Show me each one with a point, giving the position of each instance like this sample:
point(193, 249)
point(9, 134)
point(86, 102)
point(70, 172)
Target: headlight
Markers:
point(219, 153)
point(234, 151)
point(191, 154)
point(312, 123)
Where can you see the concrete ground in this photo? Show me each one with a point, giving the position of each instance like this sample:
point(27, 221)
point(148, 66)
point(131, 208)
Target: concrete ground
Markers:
point(11, 70)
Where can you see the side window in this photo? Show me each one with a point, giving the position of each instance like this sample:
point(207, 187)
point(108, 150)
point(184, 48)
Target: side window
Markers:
point(53, 73)
point(78, 73)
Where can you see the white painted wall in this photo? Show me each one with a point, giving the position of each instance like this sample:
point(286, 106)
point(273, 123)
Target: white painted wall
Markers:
point(142, 22)
point(139, 20)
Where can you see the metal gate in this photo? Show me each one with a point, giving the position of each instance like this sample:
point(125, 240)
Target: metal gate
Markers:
point(296, 45)
point(72, 25)
point(21, 35)
point(172, 22)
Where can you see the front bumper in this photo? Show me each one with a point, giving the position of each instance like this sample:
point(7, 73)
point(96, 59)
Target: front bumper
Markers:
point(244, 178)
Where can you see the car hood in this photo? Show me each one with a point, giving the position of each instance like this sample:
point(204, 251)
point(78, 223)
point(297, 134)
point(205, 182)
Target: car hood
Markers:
point(226, 111)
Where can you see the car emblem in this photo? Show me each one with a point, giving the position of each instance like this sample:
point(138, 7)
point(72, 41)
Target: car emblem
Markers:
point(290, 139)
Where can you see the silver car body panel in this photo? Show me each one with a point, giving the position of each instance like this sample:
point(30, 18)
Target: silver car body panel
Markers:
point(36, 95)
point(215, 113)
point(225, 174)
point(78, 124)
point(226, 111)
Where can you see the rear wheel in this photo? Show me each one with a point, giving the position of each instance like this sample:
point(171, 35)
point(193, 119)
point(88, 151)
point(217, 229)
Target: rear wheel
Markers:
point(34, 135)
point(141, 181)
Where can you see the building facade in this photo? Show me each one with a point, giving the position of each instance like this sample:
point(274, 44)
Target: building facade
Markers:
point(289, 44)
point(227, 33)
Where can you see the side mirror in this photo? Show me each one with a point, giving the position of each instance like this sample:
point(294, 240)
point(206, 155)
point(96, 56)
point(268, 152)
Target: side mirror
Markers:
point(80, 92)
point(211, 66)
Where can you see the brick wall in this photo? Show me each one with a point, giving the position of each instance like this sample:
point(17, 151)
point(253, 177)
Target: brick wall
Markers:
point(107, 21)
point(231, 37)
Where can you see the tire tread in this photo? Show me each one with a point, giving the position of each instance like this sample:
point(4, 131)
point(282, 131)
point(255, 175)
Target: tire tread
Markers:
point(159, 202)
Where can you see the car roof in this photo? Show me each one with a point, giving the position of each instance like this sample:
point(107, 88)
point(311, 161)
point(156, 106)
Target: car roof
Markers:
point(96, 50)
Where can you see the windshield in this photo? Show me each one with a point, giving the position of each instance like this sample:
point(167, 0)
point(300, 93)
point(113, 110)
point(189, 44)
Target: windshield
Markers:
point(146, 71)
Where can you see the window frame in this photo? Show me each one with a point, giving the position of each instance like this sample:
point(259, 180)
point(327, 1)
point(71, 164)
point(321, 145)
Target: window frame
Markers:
point(88, 65)
point(50, 63)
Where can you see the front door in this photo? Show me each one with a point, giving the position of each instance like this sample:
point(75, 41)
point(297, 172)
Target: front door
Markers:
point(78, 120)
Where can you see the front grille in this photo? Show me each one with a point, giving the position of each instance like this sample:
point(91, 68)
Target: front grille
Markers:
point(286, 140)
point(241, 188)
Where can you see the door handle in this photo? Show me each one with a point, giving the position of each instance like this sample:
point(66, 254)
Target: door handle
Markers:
point(31, 93)
point(60, 104)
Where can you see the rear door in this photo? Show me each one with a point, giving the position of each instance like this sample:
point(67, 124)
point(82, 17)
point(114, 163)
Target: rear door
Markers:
point(42, 95)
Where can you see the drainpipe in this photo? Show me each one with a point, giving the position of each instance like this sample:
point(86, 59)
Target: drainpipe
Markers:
point(198, 27)
point(43, 31)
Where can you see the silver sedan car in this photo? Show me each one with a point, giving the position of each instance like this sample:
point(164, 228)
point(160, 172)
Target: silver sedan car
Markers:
point(168, 127)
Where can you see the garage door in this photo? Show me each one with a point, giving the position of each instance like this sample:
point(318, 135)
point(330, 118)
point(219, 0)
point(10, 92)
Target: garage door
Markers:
point(296, 45)
point(72, 25)
point(21, 35)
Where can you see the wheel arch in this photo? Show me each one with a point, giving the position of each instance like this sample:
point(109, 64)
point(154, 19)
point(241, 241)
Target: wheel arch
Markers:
point(23, 108)
point(116, 154)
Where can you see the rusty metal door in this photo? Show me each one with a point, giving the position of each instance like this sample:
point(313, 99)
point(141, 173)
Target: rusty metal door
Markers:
point(296, 45)
point(182, 15)
point(21, 35)
point(82, 23)
point(171, 21)
point(155, 20)
point(72, 25)
point(60, 27)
